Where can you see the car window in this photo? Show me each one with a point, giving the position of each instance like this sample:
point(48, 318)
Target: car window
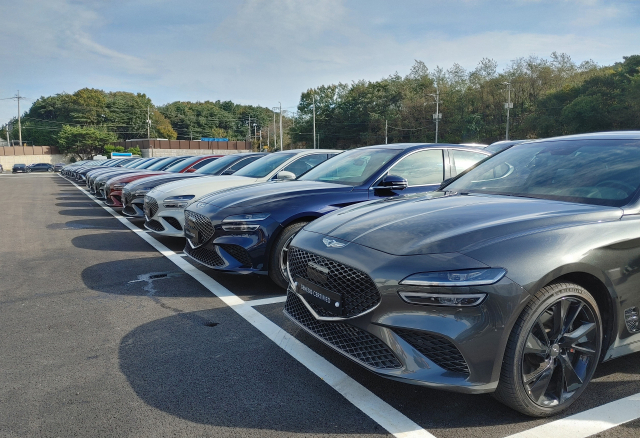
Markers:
point(240, 164)
point(265, 165)
point(462, 160)
point(421, 168)
point(352, 167)
point(303, 164)
point(602, 172)
point(179, 165)
point(203, 163)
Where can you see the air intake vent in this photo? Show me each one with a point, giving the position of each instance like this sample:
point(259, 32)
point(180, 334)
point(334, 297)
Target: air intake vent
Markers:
point(631, 317)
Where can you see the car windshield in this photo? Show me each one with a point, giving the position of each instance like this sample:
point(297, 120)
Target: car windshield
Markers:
point(177, 167)
point(146, 164)
point(217, 165)
point(351, 168)
point(601, 172)
point(160, 165)
point(264, 166)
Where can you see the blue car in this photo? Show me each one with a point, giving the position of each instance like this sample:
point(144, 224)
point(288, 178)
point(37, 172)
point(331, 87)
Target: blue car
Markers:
point(248, 229)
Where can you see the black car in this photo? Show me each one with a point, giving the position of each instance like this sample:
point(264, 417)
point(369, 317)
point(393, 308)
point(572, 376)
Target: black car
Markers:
point(248, 229)
point(19, 168)
point(40, 167)
point(517, 278)
point(134, 192)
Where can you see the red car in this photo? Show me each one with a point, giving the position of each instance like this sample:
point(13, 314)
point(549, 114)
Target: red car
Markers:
point(114, 186)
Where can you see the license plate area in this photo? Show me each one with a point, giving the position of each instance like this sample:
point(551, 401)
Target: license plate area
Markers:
point(321, 297)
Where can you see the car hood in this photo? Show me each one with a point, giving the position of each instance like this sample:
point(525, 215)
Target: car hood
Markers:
point(153, 181)
point(200, 186)
point(439, 224)
point(132, 177)
point(274, 191)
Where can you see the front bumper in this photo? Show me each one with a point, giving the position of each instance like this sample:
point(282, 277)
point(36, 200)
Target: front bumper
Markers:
point(164, 221)
point(133, 206)
point(114, 200)
point(454, 348)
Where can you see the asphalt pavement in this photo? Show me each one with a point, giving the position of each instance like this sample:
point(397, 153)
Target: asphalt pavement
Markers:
point(102, 335)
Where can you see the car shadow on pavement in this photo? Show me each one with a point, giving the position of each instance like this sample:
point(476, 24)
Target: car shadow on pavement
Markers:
point(88, 224)
point(106, 242)
point(79, 203)
point(88, 211)
point(211, 367)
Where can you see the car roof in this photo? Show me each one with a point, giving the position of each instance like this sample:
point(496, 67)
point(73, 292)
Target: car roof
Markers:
point(409, 146)
point(610, 135)
point(299, 151)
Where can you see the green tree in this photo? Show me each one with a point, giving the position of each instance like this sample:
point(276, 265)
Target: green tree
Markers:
point(84, 142)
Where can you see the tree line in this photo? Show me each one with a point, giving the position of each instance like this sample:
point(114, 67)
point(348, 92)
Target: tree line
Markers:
point(550, 96)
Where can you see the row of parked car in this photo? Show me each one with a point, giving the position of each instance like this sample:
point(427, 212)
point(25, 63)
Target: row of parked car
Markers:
point(513, 269)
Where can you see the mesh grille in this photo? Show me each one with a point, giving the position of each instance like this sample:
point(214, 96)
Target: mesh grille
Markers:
point(201, 223)
point(154, 225)
point(238, 253)
point(150, 206)
point(350, 340)
point(631, 317)
point(439, 350)
point(205, 256)
point(127, 196)
point(358, 291)
point(129, 210)
point(175, 223)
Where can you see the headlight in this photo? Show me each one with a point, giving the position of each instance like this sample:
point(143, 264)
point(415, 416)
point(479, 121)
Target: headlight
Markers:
point(177, 201)
point(118, 186)
point(450, 279)
point(141, 192)
point(238, 222)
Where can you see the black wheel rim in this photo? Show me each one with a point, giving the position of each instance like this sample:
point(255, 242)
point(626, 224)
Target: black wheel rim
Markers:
point(283, 259)
point(560, 353)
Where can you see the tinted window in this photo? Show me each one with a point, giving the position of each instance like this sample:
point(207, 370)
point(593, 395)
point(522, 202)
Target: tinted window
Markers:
point(203, 163)
point(351, 168)
point(421, 168)
point(603, 172)
point(304, 164)
point(218, 165)
point(164, 164)
point(240, 164)
point(178, 166)
point(462, 160)
point(264, 166)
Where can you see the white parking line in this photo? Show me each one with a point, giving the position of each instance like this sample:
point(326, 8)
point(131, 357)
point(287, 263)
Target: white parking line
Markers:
point(265, 301)
point(589, 422)
point(378, 410)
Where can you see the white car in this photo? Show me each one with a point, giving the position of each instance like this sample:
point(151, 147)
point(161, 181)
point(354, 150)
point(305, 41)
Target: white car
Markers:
point(164, 205)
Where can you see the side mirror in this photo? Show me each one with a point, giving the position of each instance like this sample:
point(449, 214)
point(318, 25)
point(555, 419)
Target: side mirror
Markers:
point(284, 175)
point(393, 182)
point(228, 172)
point(191, 170)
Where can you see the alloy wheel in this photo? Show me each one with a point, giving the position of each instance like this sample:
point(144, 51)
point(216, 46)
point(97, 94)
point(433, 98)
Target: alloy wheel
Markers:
point(560, 352)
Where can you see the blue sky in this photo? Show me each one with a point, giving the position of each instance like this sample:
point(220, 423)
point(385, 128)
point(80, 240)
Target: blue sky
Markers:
point(265, 51)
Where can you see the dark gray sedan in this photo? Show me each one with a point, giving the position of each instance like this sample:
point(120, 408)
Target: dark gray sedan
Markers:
point(517, 278)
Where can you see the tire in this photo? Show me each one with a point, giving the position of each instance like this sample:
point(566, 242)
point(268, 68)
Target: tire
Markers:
point(50, 169)
point(555, 368)
point(277, 258)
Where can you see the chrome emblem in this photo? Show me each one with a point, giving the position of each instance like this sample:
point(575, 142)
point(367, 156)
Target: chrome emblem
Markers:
point(201, 205)
point(331, 243)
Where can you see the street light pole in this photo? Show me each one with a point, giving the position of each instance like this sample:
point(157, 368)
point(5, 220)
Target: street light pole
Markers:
point(314, 121)
point(19, 125)
point(437, 116)
point(386, 131)
point(281, 138)
point(275, 131)
point(508, 106)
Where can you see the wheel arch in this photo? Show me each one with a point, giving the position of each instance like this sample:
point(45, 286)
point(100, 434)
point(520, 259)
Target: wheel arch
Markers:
point(303, 217)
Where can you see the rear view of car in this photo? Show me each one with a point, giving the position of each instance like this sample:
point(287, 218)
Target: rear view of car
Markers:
point(19, 168)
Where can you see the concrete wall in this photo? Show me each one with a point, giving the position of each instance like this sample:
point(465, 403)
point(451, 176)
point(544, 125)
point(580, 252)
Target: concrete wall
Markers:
point(8, 161)
point(175, 152)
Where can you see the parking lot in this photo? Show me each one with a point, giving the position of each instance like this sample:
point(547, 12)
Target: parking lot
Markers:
point(110, 331)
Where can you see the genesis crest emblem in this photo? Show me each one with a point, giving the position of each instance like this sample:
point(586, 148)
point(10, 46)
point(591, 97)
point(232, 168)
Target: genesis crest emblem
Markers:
point(200, 205)
point(331, 243)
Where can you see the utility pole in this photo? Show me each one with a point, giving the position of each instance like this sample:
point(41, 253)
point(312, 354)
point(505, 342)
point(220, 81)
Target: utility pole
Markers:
point(8, 129)
point(275, 131)
point(19, 125)
point(249, 125)
point(437, 116)
point(281, 138)
point(386, 131)
point(148, 123)
point(508, 105)
point(314, 121)
point(268, 137)
point(260, 145)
